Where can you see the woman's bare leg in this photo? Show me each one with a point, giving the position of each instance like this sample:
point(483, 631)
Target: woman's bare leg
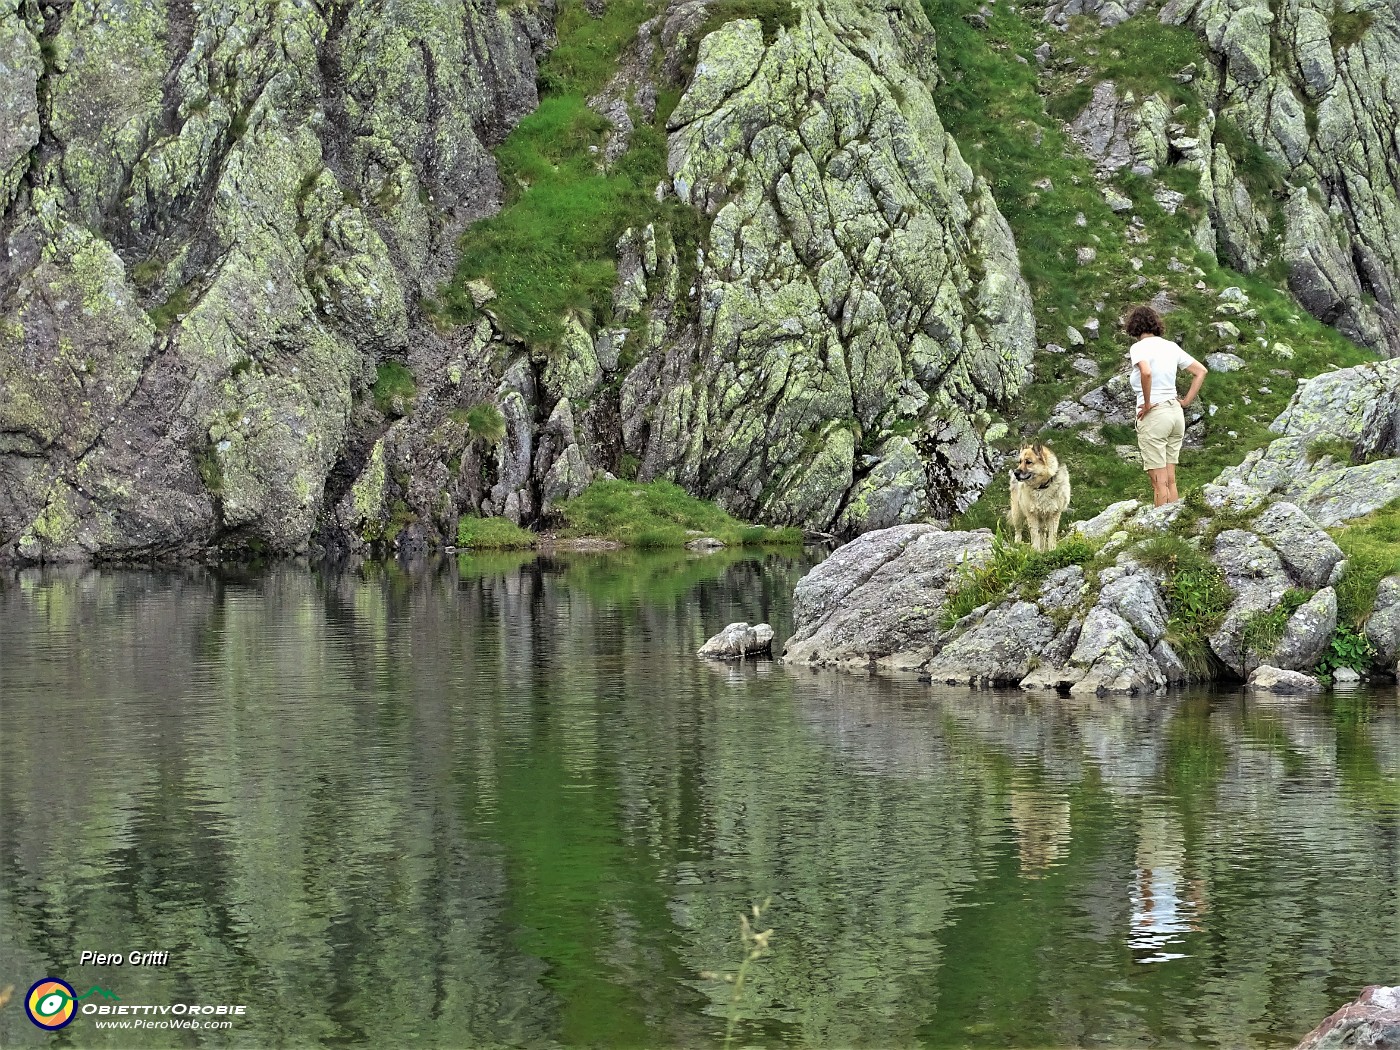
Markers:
point(1161, 486)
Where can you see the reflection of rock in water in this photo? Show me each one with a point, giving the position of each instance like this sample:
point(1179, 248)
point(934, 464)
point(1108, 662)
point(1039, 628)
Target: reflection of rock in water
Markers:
point(893, 726)
point(881, 725)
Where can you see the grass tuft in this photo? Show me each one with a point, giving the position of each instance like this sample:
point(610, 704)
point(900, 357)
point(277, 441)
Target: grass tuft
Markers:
point(1372, 548)
point(1263, 630)
point(772, 15)
point(485, 422)
point(1012, 566)
point(1336, 448)
point(393, 388)
point(1197, 598)
point(1348, 27)
point(493, 534)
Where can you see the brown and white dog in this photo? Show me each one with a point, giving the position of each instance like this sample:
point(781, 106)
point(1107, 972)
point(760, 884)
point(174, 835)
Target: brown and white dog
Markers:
point(1039, 495)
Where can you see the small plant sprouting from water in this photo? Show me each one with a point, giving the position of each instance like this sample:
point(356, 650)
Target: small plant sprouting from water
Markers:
point(755, 944)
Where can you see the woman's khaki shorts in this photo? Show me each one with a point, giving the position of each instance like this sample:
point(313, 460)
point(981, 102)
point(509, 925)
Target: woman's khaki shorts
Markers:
point(1159, 435)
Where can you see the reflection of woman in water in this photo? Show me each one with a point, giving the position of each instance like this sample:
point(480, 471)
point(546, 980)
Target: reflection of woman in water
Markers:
point(1166, 905)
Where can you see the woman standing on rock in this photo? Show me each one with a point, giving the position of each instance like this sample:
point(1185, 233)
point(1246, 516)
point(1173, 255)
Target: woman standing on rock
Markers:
point(1161, 421)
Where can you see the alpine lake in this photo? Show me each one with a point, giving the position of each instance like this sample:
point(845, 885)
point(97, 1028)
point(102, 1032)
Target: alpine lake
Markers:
point(497, 801)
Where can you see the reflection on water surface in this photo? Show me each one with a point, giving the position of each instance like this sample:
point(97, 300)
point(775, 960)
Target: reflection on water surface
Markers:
point(499, 802)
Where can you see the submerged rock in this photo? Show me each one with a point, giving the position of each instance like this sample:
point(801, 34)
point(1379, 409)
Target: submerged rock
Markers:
point(737, 641)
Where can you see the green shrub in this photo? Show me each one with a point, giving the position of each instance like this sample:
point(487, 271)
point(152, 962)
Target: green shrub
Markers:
point(393, 388)
point(493, 534)
point(660, 514)
point(1012, 567)
point(1348, 648)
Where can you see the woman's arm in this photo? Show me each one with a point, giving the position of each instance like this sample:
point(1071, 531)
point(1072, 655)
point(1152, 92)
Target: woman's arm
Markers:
point(1198, 376)
point(1146, 373)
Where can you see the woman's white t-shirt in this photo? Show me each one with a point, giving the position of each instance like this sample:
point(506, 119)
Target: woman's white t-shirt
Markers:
point(1164, 359)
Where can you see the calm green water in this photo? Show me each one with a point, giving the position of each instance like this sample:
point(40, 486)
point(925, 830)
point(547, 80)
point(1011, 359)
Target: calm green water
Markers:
point(498, 802)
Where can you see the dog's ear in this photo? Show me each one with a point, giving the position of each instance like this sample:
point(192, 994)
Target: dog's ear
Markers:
point(1038, 450)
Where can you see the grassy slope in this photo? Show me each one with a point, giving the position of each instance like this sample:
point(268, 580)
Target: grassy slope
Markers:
point(994, 106)
point(552, 247)
point(1372, 547)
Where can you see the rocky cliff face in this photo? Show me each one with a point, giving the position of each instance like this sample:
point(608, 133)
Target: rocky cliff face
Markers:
point(216, 221)
point(220, 224)
point(1316, 84)
point(829, 350)
point(860, 303)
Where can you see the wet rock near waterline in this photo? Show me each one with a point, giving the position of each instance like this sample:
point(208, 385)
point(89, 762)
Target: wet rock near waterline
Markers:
point(738, 641)
point(1307, 632)
point(1371, 1021)
point(1383, 626)
point(1268, 679)
point(997, 649)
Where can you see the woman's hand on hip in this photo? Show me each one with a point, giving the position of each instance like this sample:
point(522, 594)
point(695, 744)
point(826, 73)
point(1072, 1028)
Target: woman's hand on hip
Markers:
point(1142, 412)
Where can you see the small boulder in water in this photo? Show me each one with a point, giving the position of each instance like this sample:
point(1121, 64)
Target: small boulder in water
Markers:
point(1372, 1020)
point(737, 641)
point(1268, 679)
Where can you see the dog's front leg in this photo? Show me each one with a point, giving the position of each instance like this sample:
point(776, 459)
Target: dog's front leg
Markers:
point(1053, 537)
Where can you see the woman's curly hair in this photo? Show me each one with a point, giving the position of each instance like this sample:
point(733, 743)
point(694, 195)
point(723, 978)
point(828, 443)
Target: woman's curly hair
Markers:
point(1143, 320)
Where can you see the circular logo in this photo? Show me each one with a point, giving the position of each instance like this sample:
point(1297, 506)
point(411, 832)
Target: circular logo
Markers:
point(51, 1003)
